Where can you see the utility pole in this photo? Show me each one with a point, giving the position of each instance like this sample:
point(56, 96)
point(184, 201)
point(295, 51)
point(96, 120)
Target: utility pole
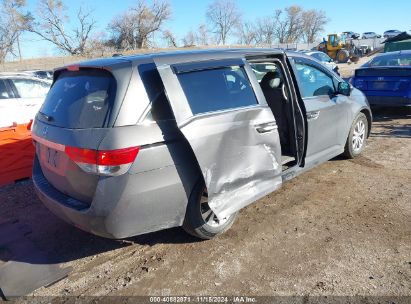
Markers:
point(18, 46)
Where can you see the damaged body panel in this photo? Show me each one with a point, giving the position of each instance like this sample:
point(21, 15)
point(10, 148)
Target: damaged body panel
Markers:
point(237, 146)
point(239, 164)
point(136, 144)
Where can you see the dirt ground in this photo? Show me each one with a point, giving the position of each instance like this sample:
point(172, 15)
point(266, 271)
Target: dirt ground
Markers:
point(347, 69)
point(344, 228)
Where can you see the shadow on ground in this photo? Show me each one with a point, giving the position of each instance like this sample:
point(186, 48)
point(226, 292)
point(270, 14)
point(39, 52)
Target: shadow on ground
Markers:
point(386, 125)
point(24, 220)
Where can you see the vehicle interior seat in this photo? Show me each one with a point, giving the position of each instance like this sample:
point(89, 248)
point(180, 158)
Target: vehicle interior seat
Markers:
point(271, 84)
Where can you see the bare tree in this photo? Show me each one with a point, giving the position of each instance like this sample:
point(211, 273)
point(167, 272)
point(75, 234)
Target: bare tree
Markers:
point(51, 21)
point(133, 29)
point(289, 24)
point(202, 35)
point(313, 22)
point(12, 22)
point(246, 33)
point(122, 32)
point(169, 37)
point(281, 29)
point(295, 22)
point(189, 39)
point(223, 16)
point(265, 30)
point(100, 47)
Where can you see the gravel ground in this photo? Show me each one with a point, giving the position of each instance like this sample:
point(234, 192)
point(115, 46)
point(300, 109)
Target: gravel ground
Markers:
point(347, 69)
point(341, 229)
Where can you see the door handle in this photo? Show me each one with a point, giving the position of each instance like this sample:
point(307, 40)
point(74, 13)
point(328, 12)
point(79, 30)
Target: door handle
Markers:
point(265, 128)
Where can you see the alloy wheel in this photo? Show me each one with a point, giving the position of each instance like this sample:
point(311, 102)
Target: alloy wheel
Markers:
point(207, 214)
point(358, 136)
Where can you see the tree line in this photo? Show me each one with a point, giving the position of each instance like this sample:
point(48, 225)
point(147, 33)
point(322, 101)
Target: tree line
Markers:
point(144, 25)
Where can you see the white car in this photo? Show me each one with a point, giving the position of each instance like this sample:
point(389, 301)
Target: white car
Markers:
point(324, 59)
point(21, 96)
point(370, 35)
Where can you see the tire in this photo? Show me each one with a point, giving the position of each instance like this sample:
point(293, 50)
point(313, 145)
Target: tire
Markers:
point(343, 56)
point(357, 137)
point(200, 221)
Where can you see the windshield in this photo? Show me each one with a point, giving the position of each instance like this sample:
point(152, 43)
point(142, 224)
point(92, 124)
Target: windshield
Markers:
point(391, 60)
point(80, 99)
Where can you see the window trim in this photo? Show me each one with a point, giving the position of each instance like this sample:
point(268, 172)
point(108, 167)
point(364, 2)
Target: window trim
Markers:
point(189, 67)
point(205, 115)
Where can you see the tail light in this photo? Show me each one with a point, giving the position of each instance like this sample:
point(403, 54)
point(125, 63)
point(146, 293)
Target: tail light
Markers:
point(108, 162)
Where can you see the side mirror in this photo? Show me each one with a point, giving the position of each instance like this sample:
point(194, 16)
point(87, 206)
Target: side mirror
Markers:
point(344, 88)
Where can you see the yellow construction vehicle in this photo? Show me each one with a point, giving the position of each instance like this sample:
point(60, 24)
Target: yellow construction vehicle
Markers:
point(339, 49)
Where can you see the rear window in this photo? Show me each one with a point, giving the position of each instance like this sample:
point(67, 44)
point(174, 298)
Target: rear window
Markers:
point(80, 99)
point(217, 89)
point(391, 60)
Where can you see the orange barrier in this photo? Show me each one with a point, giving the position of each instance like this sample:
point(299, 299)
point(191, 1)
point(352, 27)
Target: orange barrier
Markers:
point(16, 153)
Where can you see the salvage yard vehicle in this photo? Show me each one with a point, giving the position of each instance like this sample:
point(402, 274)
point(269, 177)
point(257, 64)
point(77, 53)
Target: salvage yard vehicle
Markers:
point(131, 145)
point(21, 96)
point(324, 59)
point(42, 74)
point(351, 35)
point(370, 35)
point(386, 79)
point(339, 49)
point(391, 33)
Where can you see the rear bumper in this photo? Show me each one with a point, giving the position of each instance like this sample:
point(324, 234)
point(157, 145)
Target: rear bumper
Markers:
point(394, 101)
point(123, 206)
point(70, 210)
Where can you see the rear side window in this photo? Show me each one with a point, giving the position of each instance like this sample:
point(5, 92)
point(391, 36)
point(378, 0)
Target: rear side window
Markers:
point(80, 99)
point(391, 60)
point(217, 89)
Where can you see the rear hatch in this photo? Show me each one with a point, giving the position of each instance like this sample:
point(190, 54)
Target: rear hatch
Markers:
point(388, 81)
point(80, 107)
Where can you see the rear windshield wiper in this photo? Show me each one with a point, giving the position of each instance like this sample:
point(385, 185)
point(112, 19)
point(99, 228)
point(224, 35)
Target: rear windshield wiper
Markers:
point(46, 117)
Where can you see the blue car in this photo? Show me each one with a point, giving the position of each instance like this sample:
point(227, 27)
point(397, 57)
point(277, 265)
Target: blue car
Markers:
point(386, 79)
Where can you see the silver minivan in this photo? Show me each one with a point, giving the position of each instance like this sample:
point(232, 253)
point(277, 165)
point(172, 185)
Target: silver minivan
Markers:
point(131, 145)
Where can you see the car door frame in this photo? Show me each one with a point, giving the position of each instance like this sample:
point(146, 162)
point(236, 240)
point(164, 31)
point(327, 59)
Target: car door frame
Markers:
point(298, 108)
point(255, 174)
point(336, 100)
